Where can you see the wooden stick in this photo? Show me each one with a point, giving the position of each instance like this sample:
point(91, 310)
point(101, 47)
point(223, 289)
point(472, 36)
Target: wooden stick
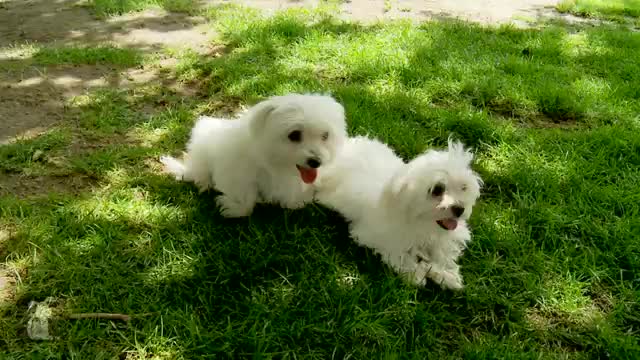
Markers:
point(122, 317)
point(107, 316)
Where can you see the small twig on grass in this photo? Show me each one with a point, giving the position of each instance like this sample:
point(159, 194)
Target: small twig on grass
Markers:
point(107, 316)
point(122, 317)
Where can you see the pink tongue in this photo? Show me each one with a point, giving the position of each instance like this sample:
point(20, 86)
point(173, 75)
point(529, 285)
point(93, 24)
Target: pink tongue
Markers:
point(308, 175)
point(449, 224)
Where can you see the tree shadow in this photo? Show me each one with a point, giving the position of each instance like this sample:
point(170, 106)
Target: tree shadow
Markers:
point(54, 51)
point(65, 23)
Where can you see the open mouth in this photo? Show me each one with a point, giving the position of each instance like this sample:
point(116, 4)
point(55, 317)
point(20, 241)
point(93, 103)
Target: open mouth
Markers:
point(308, 175)
point(448, 224)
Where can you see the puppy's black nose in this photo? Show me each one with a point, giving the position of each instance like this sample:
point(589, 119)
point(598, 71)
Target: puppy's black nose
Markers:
point(457, 210)
point(313, 163)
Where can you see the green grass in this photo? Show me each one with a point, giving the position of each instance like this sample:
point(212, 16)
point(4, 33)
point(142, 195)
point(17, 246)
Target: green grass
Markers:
point(552, 272)
point(118, 7)
point(21, 156)
point(612, 9)
point(88, 55)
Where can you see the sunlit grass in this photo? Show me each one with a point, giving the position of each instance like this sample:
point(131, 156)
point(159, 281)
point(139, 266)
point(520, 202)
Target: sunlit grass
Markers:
point(118, 7)
point(594, 8)
point(81, 55)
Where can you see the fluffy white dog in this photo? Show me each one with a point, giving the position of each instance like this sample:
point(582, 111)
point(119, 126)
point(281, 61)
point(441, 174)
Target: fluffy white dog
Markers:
point(413, 214)
point(272, 153)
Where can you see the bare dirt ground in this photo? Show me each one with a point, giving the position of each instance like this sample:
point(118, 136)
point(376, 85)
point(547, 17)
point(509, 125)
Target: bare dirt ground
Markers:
point(33, 97)
point(489, 11)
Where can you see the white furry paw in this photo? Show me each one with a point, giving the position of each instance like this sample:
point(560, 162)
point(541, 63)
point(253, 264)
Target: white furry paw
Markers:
point(419, 276)
point(448, 279)
point(232, 208)
point(173, 166)
point(297, 202)
point(295, 205)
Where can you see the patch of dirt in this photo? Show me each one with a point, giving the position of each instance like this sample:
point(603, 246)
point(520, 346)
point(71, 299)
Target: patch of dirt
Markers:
point(539, 121)
point(544, 322)
point(33, 98)
point(7, 280)
point(489, 11)
point(6, 234)
point(568, 125)
point(7, 287)
point(157, 28)
point(23, 186)
point(602, 299)
point(65, 22)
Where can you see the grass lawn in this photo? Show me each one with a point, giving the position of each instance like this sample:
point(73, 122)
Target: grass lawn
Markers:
point(105, 8)
point(553, 271)
point(609, 9)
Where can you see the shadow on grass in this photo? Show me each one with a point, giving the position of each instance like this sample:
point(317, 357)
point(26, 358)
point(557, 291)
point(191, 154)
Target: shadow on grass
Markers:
point(558, 210)
point(53, 51)
point(66, 22)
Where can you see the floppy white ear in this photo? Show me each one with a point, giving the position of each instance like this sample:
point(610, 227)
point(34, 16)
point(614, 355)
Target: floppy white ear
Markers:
point(265, 111)
point(397, 188)
point(259, 116)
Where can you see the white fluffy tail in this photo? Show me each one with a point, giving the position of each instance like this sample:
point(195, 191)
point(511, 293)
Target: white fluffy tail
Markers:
point(173, 166)
point(186, 169)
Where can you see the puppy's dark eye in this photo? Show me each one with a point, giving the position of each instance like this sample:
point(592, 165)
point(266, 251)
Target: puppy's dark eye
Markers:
point(464, 188)
point(437, 190)
point(295, 136)
point(325, 136)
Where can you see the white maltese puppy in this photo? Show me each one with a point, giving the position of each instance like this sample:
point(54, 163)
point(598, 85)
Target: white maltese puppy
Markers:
point(413, 214)
point(271, 154)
